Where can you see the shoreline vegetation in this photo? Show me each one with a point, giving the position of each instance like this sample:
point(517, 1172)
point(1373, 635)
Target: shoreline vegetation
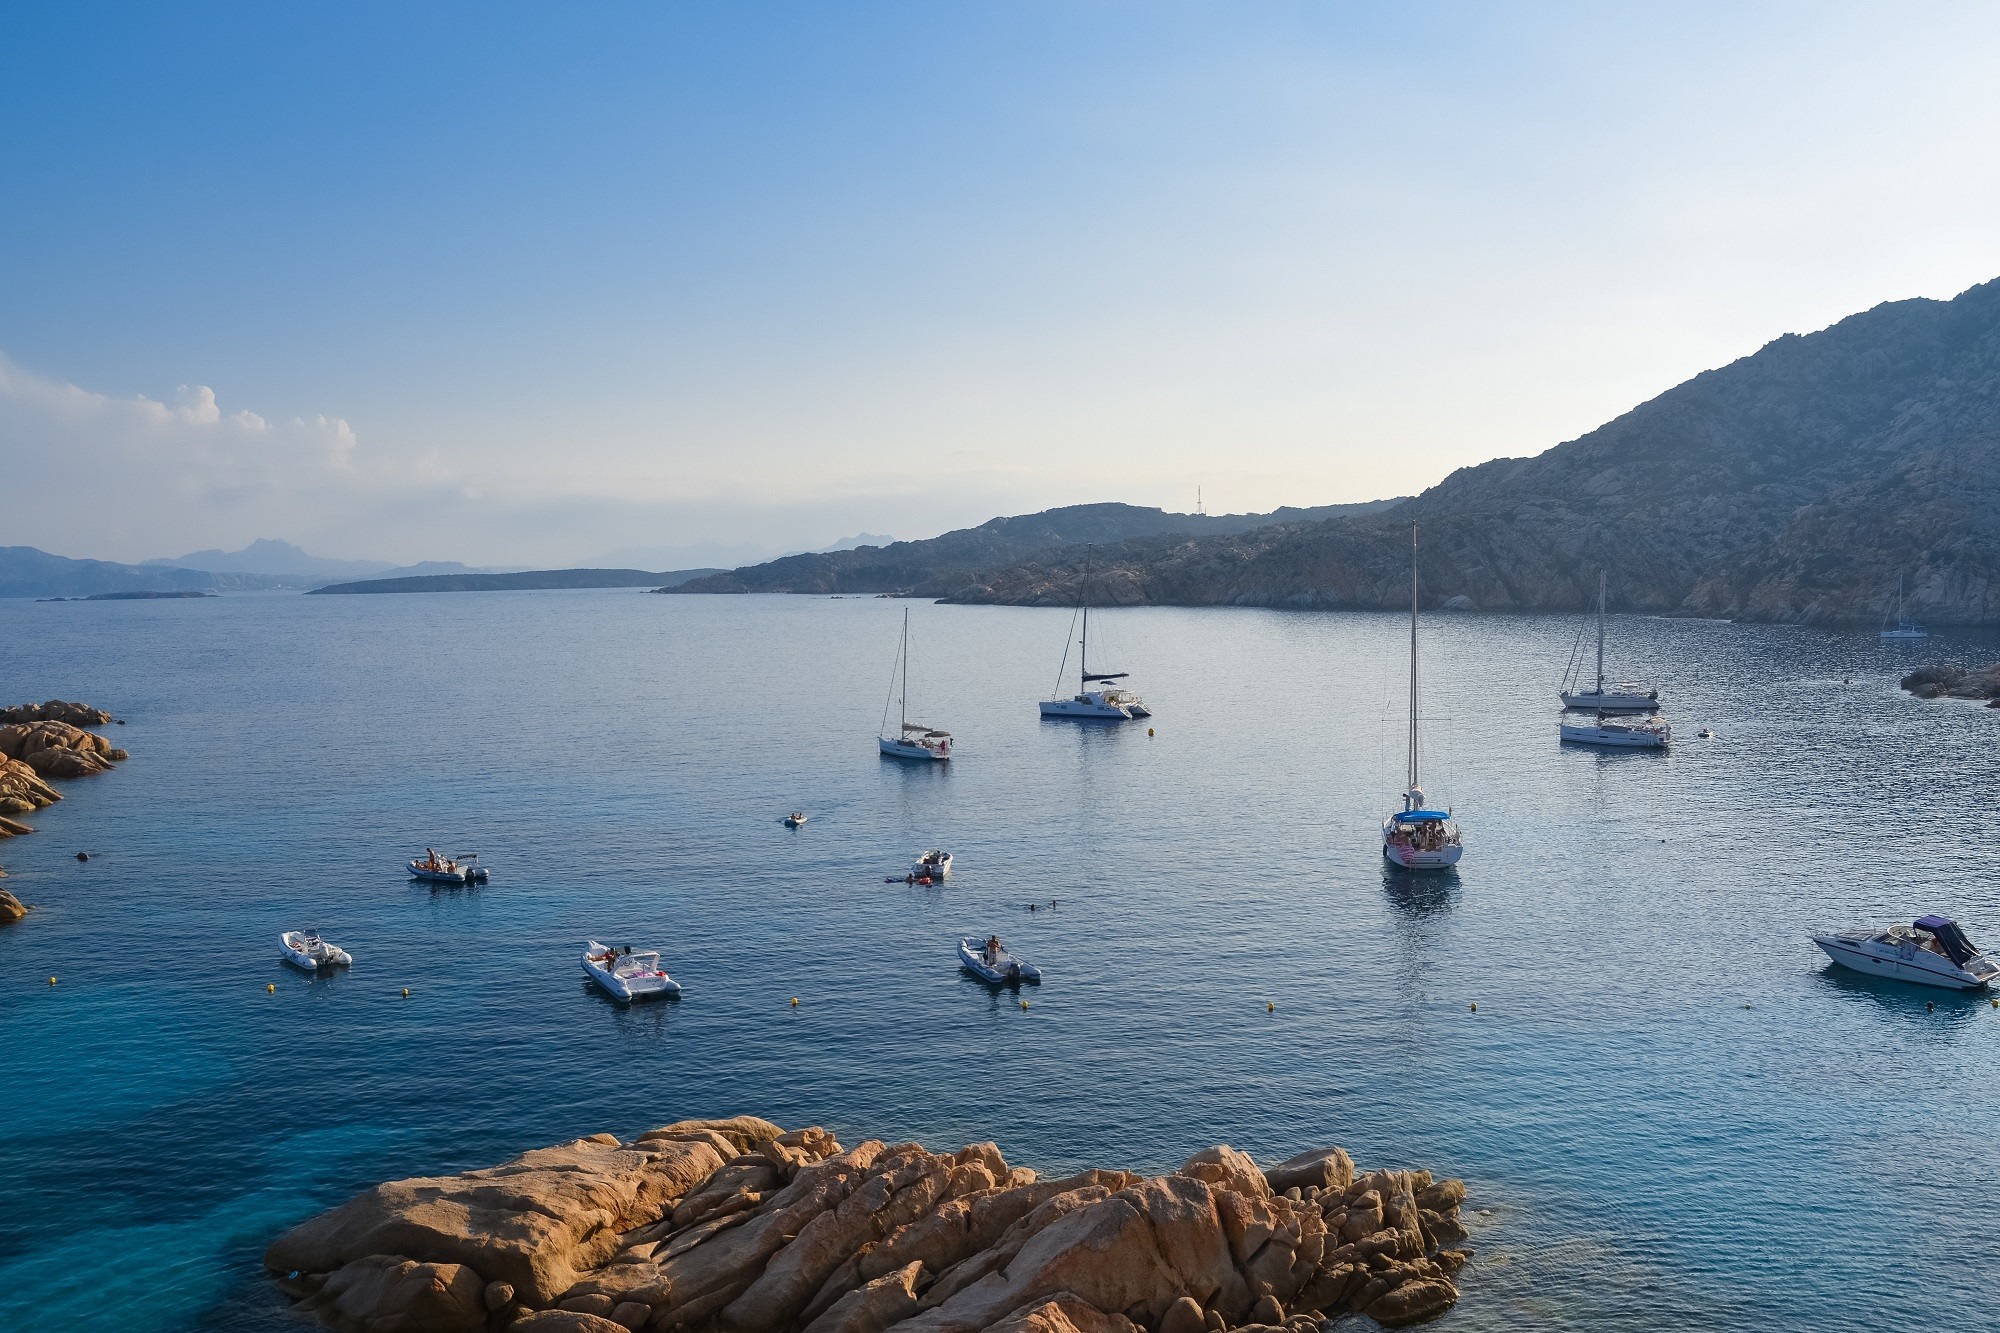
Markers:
point(1950, 682)
point(736, 1226)
point(40, 743)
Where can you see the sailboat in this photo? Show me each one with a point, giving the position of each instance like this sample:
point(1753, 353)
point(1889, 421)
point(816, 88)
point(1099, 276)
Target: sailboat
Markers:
point(1621, 698)
point(1416, 837)
point(911, 740)
point(1107, 702)
point(1904, 629)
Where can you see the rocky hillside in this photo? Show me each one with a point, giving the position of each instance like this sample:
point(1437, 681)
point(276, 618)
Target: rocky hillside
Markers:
point(733, 1226)
point(1796, 484)
point(940, 565)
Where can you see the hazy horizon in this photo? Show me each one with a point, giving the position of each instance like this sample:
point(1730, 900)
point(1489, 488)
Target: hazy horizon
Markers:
point(529, 288)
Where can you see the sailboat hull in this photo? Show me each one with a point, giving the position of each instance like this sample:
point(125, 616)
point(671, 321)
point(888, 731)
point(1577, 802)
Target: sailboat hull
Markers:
point(910, 750)
point(1589, 701)
point(1088, 710)
point(1443, 858)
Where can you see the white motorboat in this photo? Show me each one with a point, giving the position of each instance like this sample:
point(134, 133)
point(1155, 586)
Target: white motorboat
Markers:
point(796, 819)
point(628, 974)
point(1903, 628)
point(461, 869)
point(1931, 951)
point(1097, 698)
point(1609, 729)
point(912, 740)
point(305, 950)
point(1417, 837)
point(932, 865)
point(989, 960)
point(1625, 697)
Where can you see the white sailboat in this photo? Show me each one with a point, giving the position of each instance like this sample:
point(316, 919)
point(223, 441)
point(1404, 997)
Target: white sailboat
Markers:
point(1626, 697)
point(1097, 698)
point(1619, 730)
point(1904, 629)
point(911, 740)
point(1416, 837)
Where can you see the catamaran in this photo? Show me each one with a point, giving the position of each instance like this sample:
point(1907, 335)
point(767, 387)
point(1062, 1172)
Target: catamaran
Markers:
point(1097, 698)
point(1618, 698)
point(1904, 629)
point(1416, 837)
point(911, 740)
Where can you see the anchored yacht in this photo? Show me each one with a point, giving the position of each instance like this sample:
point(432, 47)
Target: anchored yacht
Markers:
point(1904, 628)
point(1931, 951)
point(1627, 697)
point(912, 740)
point(1097, 697)
point(1417, 837)
point(1623, 731)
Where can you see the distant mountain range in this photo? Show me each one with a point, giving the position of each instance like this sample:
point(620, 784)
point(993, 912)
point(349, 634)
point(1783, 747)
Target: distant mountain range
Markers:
point(943, 566)
point(1796, 484)
point(264, 564)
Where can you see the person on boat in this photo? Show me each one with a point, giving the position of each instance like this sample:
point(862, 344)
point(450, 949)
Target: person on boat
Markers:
point(430, 858)
point(992, 950)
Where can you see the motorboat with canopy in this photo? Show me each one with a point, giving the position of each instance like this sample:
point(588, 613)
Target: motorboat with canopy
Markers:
point(1417, 837)
point(1626, 697)
point(628, 974)
point(1098, 697)
point(1930, 951)
point(911, 740)
point(989, 960)
point(305, 950)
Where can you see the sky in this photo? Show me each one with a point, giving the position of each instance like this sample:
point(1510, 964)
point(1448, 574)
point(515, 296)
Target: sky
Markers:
point(685, 284)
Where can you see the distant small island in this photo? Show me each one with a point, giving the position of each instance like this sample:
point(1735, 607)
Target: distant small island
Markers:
point(522, 580)
point(129, 596)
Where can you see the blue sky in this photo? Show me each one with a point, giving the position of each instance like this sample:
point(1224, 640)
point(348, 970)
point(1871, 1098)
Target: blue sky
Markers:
point(541, 284)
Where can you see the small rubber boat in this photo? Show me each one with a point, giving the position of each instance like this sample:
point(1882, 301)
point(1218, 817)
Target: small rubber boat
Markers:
point(461, 869)
point(1931, 951)
point(627, 974)
point(931, 865)
point(989, 960)
point(305, 950)
point(796, 819)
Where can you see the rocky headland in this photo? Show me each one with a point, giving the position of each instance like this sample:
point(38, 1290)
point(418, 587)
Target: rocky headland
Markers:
point(1950, 682)
point(38, 743)
point(735, 1226)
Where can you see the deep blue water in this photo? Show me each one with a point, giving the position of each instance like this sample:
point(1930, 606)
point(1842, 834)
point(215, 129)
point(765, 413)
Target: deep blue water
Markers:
point(1670, 1113)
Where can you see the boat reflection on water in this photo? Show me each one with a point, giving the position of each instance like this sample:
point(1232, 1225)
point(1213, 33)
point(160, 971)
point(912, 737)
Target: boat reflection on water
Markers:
point(1420, 894)
point(1904, 1001)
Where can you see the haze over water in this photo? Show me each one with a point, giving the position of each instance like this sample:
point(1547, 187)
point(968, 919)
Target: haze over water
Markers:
point(1669, 1113)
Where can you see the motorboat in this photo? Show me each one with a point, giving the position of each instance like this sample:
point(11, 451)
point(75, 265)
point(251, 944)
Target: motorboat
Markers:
point(989, 960)
point(1418, 837)
point(932, 865)
point(1931, 951)
point(628, 974)
point(305, 950)
point(1603, 696)
point(796, 819)
point(1098, 698)
point(461, 869)
point(1610, 729)
point(911, 740)
point(1903, 628)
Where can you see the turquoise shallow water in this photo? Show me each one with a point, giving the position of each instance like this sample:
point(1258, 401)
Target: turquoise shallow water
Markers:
point(1670, 1113)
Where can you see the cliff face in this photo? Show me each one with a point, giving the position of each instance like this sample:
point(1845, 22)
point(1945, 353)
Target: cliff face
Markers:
point(952, 560)
point(1796, 484)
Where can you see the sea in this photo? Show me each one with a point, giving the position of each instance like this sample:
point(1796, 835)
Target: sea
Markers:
point(1670, 1111)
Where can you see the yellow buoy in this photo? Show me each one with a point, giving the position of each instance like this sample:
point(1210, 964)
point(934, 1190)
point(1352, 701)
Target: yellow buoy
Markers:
point(1149, 731)
point(795, 1002)
point(52, 981)
point(406, 992)
point(1270, 1007)
point(1024, 1004)
point(1475, 1006)
point(271, 989)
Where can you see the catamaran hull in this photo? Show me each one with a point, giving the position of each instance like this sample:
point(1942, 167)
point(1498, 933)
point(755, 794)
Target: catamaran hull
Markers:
point(898, 750)
point(1917, 970)
point(1616, 738)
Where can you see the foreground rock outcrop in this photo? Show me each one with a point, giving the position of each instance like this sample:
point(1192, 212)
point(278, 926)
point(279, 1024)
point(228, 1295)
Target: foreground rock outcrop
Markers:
point(736, 1226)
point(1940, 682)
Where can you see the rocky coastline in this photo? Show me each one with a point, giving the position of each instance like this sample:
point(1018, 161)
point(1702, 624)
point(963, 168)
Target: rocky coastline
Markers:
point(40, 743)
point(737, 1226)
point(1950, 682)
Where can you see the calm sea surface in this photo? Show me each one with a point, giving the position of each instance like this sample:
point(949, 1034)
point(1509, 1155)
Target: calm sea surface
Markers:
point(1669, 1112)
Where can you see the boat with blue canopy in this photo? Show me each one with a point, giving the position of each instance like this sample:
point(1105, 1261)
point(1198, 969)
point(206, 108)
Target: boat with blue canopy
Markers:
point(1930, 951)
point(1418, 837)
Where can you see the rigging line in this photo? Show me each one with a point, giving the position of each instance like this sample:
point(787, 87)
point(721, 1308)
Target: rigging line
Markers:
point(1062, 670)
point(892, 690)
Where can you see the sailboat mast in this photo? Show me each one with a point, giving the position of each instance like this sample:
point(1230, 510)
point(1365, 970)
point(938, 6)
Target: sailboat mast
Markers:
point(1600, 634)
point(1413, 664)
point(905, 729)
point(1083, 596)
